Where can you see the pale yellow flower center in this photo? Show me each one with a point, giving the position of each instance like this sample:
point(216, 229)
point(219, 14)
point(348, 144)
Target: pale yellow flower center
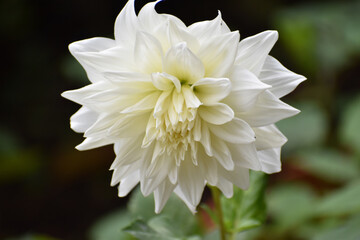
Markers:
point(172, 127)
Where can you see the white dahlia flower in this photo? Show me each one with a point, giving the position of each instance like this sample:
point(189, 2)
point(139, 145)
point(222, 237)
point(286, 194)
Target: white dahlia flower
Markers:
point(184, 106)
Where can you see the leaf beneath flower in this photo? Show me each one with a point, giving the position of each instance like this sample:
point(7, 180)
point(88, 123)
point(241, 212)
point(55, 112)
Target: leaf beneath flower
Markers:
point(246, 209)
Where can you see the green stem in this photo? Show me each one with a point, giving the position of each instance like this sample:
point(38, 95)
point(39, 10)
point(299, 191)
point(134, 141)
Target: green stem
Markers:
point(216, 197)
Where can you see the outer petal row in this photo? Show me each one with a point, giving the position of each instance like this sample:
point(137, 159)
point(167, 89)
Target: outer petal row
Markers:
point(282, 80)
point(252, 51)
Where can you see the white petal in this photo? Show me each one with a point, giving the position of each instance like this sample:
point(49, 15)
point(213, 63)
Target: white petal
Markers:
point(197, 129)
point(282, 80)
point(173, 174)
point(206, 138)
point(269, 137)
point(222, 153)
point(182, 196)
point(115, 105)
point(206, 29)
point(225, 186)
point(91, 143)
point(252, 51)
point(128, 151)
point(124, 78)
point(150, 181)
point(178, 101)
point(105, 97)
point(145, 104)
point(102, 124)
point(126, 24)
point(191, 182)
point(212, 90)
point(245, 88)
point(245, 156)
point(183, 64)
point(90, 45)
point(191, 99)
point(239, 177)
point(121, 173)
point(218, 54)
point(224, 28)
point(270, 160)
point(96, 44)
point(162, 103)
point(150, 134)
point(109, 60)
point(217, 113)
point(267, 110)
point(130, 125)
point(172, 115)
point(208, 165)
point(78, 95)
point(83, 119)
point(148, 53)
point(165, 82)
point(123, 125)
point(129, 83)
point(177, 34)
point(149, 18)
point(128, 183)
point(235, 131)
point(162, 194)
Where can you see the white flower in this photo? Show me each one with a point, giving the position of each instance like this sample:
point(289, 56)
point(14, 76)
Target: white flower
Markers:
point(183, 106)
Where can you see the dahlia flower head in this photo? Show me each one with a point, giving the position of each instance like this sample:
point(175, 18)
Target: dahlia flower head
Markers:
point(184, 106)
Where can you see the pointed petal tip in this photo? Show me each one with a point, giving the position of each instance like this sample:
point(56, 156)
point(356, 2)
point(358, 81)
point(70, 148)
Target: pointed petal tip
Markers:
point(80, 147)
point(65, 94)
point(121, 195)
point(113, 184)
point(296, 111)
point(159, 206)
point(272, 33)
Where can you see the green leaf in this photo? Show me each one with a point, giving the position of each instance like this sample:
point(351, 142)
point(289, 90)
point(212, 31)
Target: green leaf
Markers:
point(109, 227)
point(165, 226)
point(246, 209)
point(344, 201)
point(140, 206)
point(305, 130)
point(329, 164)
point(169, 227)
point(141, 230)
point(350, 127)
point(290, 205)
point(143, 207)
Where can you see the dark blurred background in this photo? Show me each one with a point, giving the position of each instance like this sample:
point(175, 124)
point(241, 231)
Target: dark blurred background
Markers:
point(50, 189)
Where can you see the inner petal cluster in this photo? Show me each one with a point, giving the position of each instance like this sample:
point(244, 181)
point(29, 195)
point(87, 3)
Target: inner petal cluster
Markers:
point(173, 121)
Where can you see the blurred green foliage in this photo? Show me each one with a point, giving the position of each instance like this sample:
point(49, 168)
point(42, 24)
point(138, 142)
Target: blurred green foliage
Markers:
point(350, 128)
point(322, 37)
